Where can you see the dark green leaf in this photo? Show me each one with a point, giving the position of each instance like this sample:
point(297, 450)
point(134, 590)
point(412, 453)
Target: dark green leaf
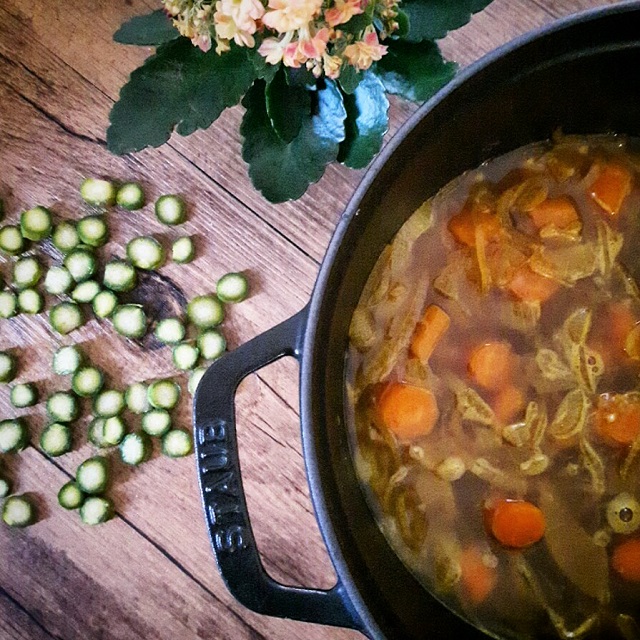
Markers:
point(179, 87)
point(414, 71)
point(366, 122)
point(151, 30)
point(287, 106)
point(432, 19)
point(301, 77)
point(357, 24)
point(479, 5)
point(264, 70)
point(349, 78)
point(404, 24)
point(283, 171)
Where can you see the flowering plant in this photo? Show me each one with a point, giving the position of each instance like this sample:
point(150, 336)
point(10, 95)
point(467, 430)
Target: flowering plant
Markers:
point(311, 74)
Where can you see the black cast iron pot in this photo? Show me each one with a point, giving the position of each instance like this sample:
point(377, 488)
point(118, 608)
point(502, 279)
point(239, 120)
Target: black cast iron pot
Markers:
point(580, 74)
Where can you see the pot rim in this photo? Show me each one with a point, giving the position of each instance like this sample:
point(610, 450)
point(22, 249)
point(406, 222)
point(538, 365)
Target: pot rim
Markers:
point(314, 473)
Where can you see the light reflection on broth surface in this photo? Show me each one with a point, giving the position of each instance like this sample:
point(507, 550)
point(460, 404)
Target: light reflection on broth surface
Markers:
point(493, 392)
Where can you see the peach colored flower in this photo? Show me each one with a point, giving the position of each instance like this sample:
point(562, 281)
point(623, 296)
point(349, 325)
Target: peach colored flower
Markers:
point(312, 47)
point(342, 11)
point(272, 49)
point(236, 19)
point(291, 56)
point(331, 66)
point(203, 41)
point(193, 22)
point(289, 15)
point(222, 46)
point(365, 52)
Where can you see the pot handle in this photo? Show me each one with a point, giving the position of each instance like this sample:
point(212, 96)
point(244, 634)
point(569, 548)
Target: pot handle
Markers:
point(222, 493)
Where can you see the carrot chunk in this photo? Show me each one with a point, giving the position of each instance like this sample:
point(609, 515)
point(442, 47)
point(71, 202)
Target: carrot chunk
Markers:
point(516, 523)
point(626, 560)
point(611, 187)
point(621, 323)
point(559, 212)
point(530, 286)
point(463, 225)
point(621, 328)
point(632, 343)
point(508, 403)
point(430, 329)
point(617, 419)
point(614, 334)
point(408, 411)
point(478, 579)
point(491, 364)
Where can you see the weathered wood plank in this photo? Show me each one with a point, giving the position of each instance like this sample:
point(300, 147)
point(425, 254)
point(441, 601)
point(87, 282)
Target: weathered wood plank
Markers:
point(560, 8)
point(142, 496)
point(18, 624)
point(72, 582)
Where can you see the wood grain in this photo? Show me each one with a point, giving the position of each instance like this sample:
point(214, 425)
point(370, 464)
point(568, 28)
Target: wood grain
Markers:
point(149, 573)
point(16, 622)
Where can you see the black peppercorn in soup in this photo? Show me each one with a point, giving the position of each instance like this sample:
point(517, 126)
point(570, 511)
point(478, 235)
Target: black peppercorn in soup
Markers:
point(494, 392)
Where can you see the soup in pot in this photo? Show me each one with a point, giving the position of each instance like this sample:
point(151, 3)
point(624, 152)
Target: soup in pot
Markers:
point(494, 394)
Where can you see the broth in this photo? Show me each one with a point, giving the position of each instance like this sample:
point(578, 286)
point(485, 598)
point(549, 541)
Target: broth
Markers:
point(493, 392)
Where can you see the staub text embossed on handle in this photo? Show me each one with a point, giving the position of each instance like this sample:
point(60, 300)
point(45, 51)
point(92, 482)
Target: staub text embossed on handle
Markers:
point(223, 498)
point(220, 488)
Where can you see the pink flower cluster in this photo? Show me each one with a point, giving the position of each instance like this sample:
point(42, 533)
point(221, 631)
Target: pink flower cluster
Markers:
point(295, 33)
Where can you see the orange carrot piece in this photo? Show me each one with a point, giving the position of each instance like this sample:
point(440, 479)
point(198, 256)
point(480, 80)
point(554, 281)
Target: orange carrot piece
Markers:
point(508, 403)
point(632, 343)
point(559, 212)
point(622, 330)
point(491, 364)
point(408, 411)
point(611, 187)
point(516, 523)
point(530, 286)
point(434, 324)
point(612, 334)
point(478, 579)
point(617, 419)
point(620, 323)
point(463, 225)
point(625, 560)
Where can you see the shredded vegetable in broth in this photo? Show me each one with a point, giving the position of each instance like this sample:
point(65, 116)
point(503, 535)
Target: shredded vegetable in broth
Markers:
point(494, 392)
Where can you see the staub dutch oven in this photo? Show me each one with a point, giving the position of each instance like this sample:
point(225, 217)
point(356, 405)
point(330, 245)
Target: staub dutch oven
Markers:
point(581, 75)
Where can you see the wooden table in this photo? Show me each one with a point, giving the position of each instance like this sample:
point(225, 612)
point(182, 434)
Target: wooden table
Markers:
point(149, 572)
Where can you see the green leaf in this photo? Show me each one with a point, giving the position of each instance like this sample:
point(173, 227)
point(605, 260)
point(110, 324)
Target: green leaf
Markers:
point(179, 87)
point(414, 71)
point(287, 106)
point(366, 122)
point(432, 19)
point(301, 77)
point(357, 24)
point(404, 24)
point(479, 5)
point(152, 29)
point(349, 78)
point(264, 70)
point(283, 171)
